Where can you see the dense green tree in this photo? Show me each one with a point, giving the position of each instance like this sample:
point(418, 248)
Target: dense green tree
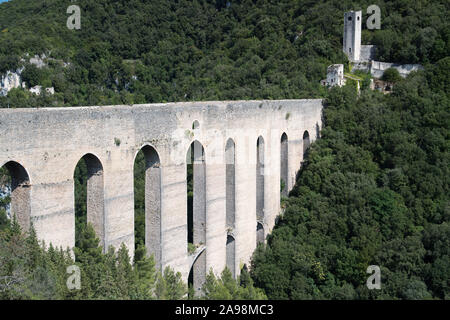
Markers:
point(391, 75)
point(226, 288)
point(372, 191)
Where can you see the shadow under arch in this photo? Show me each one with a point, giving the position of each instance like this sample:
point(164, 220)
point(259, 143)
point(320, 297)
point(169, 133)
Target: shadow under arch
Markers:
point(259, 233)
point(18, 181)
point(147, 201)
point(89, 197)
point(231, 255)
point(284, 169)
point(306, 142)
point(196, 210)
point(230, 183)
point(260, 154)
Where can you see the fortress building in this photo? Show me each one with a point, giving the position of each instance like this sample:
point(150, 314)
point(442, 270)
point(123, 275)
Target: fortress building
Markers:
point(335, 75)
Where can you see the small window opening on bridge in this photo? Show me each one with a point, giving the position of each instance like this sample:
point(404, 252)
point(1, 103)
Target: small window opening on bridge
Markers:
point(195, 125)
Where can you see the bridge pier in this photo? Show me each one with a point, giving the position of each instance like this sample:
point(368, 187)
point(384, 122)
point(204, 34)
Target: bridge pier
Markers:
point(49, 142)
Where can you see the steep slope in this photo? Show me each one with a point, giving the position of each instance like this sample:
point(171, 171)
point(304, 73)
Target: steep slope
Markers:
point(173, 50)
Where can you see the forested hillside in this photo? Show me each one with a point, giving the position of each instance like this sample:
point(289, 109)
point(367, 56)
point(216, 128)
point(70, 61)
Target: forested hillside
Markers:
point(374, 190)
point(135, 51)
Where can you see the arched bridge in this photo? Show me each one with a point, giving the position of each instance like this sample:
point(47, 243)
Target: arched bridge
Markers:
point(239, 150)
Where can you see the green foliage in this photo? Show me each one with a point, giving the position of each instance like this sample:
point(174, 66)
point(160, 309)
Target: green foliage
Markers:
point(139, 199)
point(226, 288)
point(8, 63)
point(373, 190)
point(182, 50)
point(28, 271)
point(170, 286)
point(391, 75)
point(170, 50)
point(33, 76)
point(191, 248)
point(282, 185)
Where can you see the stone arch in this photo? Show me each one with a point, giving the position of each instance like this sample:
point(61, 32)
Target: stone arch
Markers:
point(20, 193)
point(93, 211)
point(231, 255)
point(230, 164)
point(284, 169)
point(196, 209)
point(260, 179)
point(306, 142)
point(259, 233)
point(147, 164)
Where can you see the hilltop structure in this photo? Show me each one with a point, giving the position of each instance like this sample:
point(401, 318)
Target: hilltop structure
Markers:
point(352, 34)
point(362, 57)
point(335, 76)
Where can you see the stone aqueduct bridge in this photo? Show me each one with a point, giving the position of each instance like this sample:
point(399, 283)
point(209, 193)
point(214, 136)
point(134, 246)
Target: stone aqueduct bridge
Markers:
point(241, 151)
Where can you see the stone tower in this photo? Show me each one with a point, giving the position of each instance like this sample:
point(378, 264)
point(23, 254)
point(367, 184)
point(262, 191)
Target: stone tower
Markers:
point(352, 34)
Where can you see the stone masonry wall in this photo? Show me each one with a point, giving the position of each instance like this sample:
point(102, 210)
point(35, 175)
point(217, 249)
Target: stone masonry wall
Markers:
point(49, 142)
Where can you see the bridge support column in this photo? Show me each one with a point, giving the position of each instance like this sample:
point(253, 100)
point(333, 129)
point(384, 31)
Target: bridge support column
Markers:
point(174, 218)
point(245, 186)
point(119, 200)
point(272, 177)
point(52, 213)
point(216, 236)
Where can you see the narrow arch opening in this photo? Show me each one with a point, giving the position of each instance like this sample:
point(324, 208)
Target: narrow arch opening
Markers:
point(196, 211)
point(89, 197)
point(284, 151)
point(15, 195)
point(230, 158)
point(230, 255)
point(259, 233)
point(260, 179)
point(306, 142)
point(147, 203)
